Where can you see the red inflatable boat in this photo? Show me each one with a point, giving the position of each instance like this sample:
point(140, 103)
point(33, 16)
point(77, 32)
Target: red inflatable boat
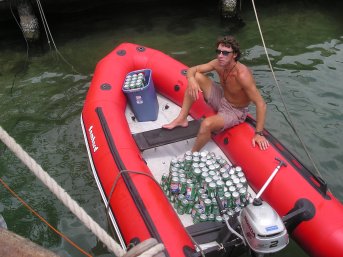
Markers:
point(138, 207)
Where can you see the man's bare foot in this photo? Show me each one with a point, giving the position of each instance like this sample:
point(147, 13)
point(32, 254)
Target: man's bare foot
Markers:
point(176, 123)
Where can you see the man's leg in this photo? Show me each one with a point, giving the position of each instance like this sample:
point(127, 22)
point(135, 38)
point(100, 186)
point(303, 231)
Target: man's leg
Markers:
point(205, 84)
point(181, 119)
point(208, 125)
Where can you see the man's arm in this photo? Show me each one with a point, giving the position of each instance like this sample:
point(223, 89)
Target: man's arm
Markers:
point(193, 86)
point(202, 68)
point(249, 86)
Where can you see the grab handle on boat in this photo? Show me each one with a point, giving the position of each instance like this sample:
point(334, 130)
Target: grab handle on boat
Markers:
point(281, 163)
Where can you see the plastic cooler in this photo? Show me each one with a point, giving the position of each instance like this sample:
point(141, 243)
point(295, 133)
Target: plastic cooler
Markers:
point(143, 100)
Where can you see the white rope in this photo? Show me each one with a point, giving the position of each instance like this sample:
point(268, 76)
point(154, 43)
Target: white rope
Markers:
point(278, 87)
point(60, 193)
point(153, 251)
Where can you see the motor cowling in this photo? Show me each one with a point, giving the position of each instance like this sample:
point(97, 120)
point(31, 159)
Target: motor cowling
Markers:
point(263, 228)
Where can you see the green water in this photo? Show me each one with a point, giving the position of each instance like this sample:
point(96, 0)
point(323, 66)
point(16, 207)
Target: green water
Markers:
point(41, 97)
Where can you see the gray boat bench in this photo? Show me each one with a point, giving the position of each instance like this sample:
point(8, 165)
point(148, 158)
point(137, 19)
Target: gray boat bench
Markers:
point(159, 137)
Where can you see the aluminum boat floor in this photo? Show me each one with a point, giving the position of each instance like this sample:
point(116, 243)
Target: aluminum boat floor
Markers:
point(158, 158)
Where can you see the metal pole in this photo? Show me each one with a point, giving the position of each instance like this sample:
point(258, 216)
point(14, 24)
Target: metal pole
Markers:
point(281, 163)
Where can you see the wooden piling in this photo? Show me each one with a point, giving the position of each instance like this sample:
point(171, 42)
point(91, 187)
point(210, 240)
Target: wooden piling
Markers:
point(28, 20)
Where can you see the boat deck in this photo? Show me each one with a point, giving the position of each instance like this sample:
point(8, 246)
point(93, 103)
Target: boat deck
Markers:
point(158, 157)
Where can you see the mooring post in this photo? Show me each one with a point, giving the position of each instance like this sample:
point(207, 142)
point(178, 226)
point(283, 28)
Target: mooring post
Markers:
point(229, 8)
point(28, 20)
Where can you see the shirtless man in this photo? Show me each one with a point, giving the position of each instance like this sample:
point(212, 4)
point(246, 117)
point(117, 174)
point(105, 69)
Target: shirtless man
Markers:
point(230, 98)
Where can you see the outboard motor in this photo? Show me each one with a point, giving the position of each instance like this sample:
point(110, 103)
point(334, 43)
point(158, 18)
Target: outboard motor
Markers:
point(262, 228)
point(257, 227)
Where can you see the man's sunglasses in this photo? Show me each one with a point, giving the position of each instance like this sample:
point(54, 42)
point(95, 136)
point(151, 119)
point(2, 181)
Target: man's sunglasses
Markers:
point(225, 53)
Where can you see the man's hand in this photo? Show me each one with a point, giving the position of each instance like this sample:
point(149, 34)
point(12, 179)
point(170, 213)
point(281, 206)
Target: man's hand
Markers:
point(261, 141)
point(193, 89)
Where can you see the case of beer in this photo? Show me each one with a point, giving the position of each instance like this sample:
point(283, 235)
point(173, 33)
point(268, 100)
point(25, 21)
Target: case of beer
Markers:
point(140, 91)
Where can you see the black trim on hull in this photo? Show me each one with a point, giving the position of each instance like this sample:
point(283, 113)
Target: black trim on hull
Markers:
point(127, 179)
point(109, 213)
point(316, 182)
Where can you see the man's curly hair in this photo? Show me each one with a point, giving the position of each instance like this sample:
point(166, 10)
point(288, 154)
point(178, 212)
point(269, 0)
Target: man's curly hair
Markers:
point(230, 41)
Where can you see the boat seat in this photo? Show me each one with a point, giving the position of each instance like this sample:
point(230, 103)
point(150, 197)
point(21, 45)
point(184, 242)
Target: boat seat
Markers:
point(204, 232)
point(159, 137)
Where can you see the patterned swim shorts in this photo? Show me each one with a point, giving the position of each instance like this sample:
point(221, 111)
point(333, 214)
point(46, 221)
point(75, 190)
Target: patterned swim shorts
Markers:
point(232, 116)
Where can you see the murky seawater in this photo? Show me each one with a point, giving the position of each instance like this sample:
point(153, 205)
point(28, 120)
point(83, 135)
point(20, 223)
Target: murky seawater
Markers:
point(41, 97)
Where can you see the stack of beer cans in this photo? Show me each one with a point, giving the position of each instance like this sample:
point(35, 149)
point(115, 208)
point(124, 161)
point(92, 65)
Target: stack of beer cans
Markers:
point(196, 178)
point(134, 81)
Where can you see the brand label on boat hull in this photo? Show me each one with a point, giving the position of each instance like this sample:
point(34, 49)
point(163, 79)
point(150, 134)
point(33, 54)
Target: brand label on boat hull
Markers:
point(92, 137)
